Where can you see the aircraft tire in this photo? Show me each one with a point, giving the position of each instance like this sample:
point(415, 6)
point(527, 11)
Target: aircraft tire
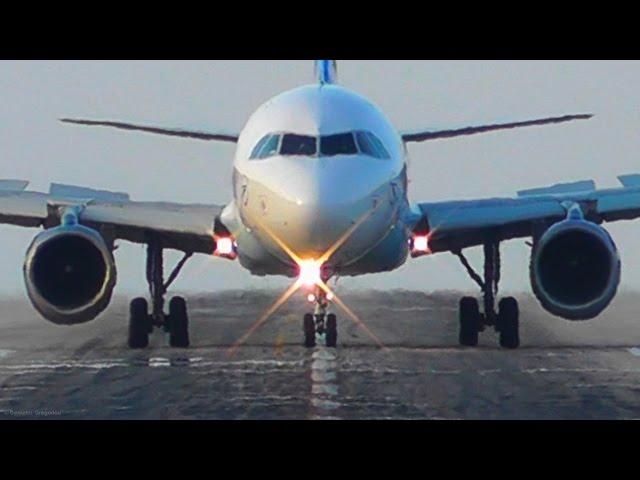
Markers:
point(469, 322)
point(509, 323)
point(178, 323)
point(309, 331)
point(139, 324)
point(332, 331)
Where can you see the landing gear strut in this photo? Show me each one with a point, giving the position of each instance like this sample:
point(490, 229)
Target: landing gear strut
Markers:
point(505, 321)
point(320, 323)
point(141, 321)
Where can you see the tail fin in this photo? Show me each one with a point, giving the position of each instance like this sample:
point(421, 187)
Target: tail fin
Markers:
point(327, 71)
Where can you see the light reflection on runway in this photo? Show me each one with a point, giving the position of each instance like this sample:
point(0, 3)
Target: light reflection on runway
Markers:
point(564, 371)
point(325, 403)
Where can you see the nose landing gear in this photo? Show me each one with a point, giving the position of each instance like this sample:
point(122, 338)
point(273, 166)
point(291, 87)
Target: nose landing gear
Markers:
point(505, 321)
point(141, 322)
point(320, 324)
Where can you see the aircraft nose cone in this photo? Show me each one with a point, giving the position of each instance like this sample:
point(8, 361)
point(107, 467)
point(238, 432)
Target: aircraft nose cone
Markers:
point(316, 229)
point(311, 204)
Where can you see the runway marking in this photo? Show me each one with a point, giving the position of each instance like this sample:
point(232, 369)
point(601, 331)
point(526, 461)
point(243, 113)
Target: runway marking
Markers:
point(6, 353)
point(31, 367)
point(19, 388)
point(324, 390)
point(246, 366)
point(635, 351)
point(159, 362)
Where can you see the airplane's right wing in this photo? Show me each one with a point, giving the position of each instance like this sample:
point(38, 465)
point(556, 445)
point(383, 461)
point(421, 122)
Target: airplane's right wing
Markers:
point(170, 132)
point(184, 227)
point(69, 268)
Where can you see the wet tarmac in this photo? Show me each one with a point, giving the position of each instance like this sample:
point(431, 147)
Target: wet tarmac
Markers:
point(563, 371)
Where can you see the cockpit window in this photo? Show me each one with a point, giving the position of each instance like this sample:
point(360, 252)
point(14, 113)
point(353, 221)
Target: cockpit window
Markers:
point(366, 145)
point(258, 147)
point(342, 144)
point(371, 145)
point(298, 145)
point(267, 147)
point(290, 144)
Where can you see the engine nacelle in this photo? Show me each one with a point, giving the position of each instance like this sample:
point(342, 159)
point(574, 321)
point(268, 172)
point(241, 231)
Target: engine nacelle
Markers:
point(70, 274)
point(575, 270)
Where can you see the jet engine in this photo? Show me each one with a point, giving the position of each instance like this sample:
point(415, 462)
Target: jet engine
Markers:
point(575, 269)
point(70, 274)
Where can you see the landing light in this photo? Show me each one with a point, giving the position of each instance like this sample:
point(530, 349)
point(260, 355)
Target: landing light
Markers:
point(309, 274)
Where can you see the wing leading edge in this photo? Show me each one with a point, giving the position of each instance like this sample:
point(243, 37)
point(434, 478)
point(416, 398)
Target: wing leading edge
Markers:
point(456, 225)
point(206, 136)
point(424, 136)
point(183, 227)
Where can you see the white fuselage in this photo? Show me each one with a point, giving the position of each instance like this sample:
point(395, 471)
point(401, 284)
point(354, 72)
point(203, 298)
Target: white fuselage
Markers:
point(307, 202)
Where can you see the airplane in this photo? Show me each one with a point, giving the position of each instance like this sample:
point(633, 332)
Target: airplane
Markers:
point(320, 187)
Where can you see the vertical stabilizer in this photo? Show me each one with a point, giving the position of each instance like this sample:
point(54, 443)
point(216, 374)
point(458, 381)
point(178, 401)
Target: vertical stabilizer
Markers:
point(327, 71)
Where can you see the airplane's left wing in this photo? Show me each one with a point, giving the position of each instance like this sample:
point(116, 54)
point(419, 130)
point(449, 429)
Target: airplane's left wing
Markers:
point(456, 225)
point(183, 227)
point(427, 135)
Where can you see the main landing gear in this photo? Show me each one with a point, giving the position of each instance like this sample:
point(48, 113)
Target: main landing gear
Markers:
point(142, 322)
point(320, 323)
point(506, 320)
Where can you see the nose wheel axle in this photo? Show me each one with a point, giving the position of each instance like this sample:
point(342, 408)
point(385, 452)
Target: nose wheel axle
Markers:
point(320, 324)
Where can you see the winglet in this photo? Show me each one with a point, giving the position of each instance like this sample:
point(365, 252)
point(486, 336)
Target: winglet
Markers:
point(326, 72)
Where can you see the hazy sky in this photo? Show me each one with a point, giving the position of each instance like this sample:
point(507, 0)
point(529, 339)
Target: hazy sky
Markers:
point(222, 94)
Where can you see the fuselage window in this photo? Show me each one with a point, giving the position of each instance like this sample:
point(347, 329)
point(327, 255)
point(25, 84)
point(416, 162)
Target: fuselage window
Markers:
point(342, 144)
point(299, 145)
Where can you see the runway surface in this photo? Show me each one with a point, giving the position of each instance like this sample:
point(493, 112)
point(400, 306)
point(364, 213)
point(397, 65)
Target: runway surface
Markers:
point(564, 370)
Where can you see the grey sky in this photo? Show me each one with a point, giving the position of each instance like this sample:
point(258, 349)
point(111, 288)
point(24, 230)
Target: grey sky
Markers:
point(221, 95)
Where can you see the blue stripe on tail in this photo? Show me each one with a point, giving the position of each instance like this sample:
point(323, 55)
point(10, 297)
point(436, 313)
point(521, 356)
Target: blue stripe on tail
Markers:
point(327, 72)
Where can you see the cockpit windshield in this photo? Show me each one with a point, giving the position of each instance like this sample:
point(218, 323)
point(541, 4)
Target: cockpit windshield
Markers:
point(371, 145)
point(267, 147)
point(342, 144)
point(298, 145)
